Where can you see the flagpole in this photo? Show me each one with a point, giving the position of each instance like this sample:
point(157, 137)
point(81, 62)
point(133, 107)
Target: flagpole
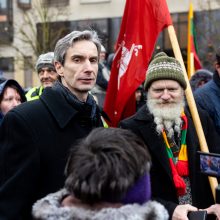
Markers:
point(192, 70)
point(190, 66)
point(191, 102)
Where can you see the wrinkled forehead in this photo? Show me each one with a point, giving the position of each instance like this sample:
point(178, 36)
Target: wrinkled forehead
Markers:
point(165, 83)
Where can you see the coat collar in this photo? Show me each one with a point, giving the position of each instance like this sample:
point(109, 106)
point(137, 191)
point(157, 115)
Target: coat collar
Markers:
point(56, 103)
point(154, 142)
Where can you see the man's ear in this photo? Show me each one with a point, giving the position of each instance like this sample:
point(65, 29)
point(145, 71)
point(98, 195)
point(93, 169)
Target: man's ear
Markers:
point(59, 68)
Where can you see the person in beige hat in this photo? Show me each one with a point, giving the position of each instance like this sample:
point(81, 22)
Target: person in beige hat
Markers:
point(166, 126)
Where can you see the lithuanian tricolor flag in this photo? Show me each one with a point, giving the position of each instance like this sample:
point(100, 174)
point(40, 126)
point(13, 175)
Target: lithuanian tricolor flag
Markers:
point(193, 62)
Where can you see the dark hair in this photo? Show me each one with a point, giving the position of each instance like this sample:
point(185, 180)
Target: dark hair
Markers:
point(103, 166)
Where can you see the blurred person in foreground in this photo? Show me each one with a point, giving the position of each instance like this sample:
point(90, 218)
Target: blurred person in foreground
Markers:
point(165, 124)
point(208, 96)
point(11, 95)
point(35, 137)
point(107, 177)
point(46, 73)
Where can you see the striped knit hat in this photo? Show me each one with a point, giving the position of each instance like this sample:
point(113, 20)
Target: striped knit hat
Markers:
point(164, 67)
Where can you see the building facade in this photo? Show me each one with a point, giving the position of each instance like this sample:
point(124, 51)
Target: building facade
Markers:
point(31, 27)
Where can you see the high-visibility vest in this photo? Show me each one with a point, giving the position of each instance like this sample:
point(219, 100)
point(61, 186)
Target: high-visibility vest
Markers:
point(34, 93)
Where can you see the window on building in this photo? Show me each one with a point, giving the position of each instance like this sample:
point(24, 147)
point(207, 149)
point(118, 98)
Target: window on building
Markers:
point(24, 4)
point(3, 4)
point(180, 22)
point(3, 11)
point(7, 64)
point(101, 26)
point(55, 30)
point(6, 21)
point(107, 29)
point(56, 2)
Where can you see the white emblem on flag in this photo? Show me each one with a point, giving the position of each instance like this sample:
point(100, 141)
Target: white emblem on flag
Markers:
point(125, 58)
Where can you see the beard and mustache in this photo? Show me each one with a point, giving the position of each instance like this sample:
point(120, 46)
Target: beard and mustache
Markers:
point(167, 115)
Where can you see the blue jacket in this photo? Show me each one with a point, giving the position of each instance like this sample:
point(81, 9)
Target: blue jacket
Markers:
point(208, 98)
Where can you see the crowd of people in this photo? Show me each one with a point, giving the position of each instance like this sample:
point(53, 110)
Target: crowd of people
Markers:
point(57, 161)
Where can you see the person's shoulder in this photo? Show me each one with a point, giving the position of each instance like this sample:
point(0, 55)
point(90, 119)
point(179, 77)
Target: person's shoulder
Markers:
point(202, 112)
point(203, 115)
point(49, 206)
point(204, 89)
point(151, 210)
point(141, 115)
point(27, 110)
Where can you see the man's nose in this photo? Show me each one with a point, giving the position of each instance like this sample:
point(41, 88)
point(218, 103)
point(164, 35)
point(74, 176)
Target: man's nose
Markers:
point(165, 95)
point(88, 65)
point(45, 74)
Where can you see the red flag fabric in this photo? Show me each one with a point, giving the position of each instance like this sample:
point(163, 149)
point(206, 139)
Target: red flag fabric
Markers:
point(141, 24)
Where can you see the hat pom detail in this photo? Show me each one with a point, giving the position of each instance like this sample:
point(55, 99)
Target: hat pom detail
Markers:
point(161, 54)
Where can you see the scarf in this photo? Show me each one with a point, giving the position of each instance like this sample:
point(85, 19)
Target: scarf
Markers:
point(180, 167)
point(88, 110)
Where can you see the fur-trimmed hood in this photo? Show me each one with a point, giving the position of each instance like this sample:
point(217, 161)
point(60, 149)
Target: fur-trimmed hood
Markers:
point(49, 208)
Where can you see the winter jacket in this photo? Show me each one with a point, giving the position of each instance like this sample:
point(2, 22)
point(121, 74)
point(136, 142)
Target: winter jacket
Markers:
point(208, 98)
point(35, 139)
point(162, 185)
point(49, 208)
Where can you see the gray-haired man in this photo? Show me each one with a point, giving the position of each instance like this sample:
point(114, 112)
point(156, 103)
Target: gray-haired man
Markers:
point(166, 126)
point(35, 138)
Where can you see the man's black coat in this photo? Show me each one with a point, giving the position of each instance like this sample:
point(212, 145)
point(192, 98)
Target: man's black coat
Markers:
point(161, 177)
point(35, 139)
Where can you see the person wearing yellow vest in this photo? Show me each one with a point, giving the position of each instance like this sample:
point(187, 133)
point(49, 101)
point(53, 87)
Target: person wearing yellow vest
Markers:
point(166, 126)
point(47, 75)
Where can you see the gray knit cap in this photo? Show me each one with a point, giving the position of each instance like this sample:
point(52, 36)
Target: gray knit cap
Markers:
point(164, 67)
point(45, 60)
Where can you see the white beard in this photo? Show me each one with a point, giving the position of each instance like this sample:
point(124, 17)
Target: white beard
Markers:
point(167, 117)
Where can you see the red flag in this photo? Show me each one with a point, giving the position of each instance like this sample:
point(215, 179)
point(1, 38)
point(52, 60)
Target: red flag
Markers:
point(141, 24)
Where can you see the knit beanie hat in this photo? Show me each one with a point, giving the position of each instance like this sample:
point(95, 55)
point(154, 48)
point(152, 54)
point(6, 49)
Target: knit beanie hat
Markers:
point(164, 67)
point(45, 60)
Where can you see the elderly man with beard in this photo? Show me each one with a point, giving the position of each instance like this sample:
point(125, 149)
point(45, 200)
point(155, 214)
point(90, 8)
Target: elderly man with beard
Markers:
point(166, 126)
